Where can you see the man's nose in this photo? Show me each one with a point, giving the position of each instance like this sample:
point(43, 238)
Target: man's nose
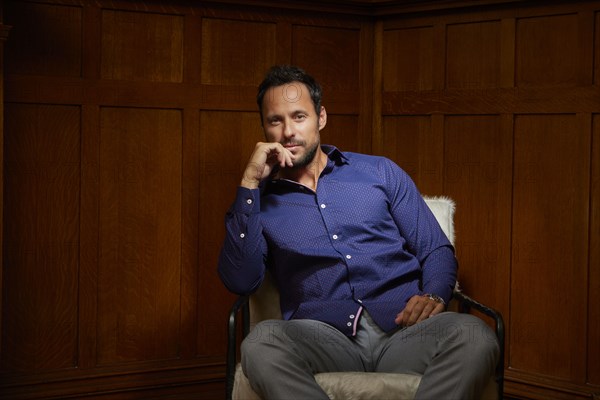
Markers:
point(288, 130)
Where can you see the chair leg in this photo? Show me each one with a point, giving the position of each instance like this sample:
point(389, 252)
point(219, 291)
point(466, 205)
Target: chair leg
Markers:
point(241, 304)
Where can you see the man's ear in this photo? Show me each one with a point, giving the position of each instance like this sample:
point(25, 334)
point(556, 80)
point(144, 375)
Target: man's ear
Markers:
point(322, 118)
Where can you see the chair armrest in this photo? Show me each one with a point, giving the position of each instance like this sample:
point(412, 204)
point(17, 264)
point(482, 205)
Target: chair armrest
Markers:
point(465, 304)
point(239, 306)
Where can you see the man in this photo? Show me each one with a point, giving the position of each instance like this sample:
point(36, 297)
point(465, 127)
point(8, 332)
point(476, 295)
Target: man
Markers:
point(363, 268)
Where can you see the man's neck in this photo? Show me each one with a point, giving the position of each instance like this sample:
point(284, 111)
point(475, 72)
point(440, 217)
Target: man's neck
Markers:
point(309, 175)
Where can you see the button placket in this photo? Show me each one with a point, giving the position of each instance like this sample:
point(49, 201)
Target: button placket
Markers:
point(335, 236)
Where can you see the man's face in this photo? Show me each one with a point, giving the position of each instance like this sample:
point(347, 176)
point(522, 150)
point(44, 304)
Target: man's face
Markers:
point(289, 117)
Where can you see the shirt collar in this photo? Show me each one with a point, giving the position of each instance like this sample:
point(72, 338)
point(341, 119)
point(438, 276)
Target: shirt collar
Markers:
point(334, 154)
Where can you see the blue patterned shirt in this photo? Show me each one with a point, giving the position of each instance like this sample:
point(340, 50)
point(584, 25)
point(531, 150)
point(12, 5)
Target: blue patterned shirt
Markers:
point(364, 239)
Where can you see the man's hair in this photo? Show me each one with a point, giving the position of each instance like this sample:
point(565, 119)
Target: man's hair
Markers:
point(283, 74)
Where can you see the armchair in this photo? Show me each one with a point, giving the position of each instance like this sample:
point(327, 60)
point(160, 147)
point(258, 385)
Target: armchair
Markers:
point(264, 304)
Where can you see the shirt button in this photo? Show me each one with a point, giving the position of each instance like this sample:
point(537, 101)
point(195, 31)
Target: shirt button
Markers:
point(349, 324)
point(348, 256)
point(242, 235)
point(335, 237)
point(249, 201)
point(351, 316)
point(323, 206)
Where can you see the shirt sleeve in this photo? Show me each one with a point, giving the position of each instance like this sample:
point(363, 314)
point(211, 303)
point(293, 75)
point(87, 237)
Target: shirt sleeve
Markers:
point(439, 273)
point(241, 261)
point(423, 234)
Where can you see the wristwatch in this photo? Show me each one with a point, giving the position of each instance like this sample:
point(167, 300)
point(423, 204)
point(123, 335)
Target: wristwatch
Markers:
point(435, 298)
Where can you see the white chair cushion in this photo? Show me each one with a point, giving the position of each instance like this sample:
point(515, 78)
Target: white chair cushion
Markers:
point(347, 385)
point(357, 386)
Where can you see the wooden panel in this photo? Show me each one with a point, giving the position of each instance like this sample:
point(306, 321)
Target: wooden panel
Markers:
point(507, 52)
point(340, 47)
point(369, 90)
point(550, 246)
point(342, 132)
point(596, 51)
point(547, 51)
point(172, 380)
point(190, 229)
point(45, 39)
point(3, 34)
point(408, 59)
point(473, 55)
point(227, 45)
point(41, 237)
point(140, 46)
point(227, 140)
point(478, 176)
point(89, 252)
point(140, 235)
point(594, 271)
point(414, 144)
point(529, 100)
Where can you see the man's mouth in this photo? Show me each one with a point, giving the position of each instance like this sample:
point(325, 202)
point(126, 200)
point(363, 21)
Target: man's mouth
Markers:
point(291, 146)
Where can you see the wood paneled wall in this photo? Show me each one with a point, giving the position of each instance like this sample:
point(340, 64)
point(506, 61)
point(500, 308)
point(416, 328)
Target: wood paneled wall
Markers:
point(498, 109)
point(127, 125)
point(4, 29)
point(127, 128)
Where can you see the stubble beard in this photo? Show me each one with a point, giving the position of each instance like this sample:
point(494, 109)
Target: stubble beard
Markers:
point(308, 156)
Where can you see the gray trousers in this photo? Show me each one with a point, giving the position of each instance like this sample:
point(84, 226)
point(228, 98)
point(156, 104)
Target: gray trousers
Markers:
point(455, 353)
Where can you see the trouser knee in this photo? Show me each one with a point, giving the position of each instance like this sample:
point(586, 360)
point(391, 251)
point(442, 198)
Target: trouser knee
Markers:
point(262, 336)
point(474, 334)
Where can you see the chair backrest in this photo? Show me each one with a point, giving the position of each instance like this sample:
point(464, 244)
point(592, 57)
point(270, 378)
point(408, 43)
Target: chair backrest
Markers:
point(443, 209)
point(264, 303)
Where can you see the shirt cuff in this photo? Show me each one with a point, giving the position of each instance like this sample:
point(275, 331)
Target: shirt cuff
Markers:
point(247, 201)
